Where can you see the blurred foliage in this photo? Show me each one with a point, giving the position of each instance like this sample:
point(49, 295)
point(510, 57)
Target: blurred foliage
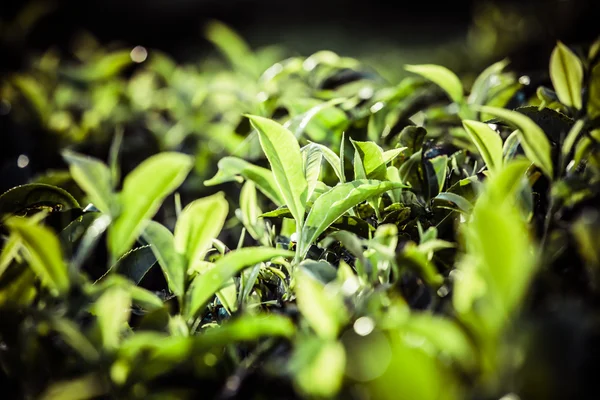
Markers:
point(328, 234)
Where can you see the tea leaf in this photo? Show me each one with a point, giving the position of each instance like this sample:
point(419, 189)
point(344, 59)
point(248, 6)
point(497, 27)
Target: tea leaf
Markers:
point(371, 158)
point(43, 252)
point(566, 73)
point(206, 285)
point(324, 310)
point(322, 375)
point(250, 211)
point(135, 264)
point(332, 159)
point(85, 387)
point(200, 222)
point(312, 158)
point(442, 77)
point(283, 152)
point(94, 177)
point(230, 167)
point(483, 82)
point(162, 243)
point(533, 139)
point(34, 197)
point(112, 312)
point(144, 189)
point(334, 203)
point(488, 142)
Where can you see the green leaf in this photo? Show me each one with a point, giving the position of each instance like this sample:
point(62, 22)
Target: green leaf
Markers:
point(10, 250)
point(412, 137)
point(484, 82)
point(206, 285)
point(332, 159)
point(23, 199)
point(283, 152)
point(89, 386)
point(94, 177)
point(232, 46)
point(172, 264)
point(322, 374)
point(200, 222)
point(112, 311)
point(249, 328)
point(144, 190)
point(104, 67)
point(390, 155)
point(462, 203)
point(135, 263)
point(334, 203)
point(250, 211)
point(371, 158)
point(230, 167)
point(572, 137)
point(533, 139)
point(505, 185)
point(43, 252)
point(312, 158)
point(488, 142)
point(593, 107)
point(442, 77)
point(323, 309)
point(566, 73)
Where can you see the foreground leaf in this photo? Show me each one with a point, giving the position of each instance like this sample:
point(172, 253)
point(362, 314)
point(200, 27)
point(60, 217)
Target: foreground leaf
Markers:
point(487, 141)
point(43, 253)
point(112, 312)
point(144, 190)
point(442, 77)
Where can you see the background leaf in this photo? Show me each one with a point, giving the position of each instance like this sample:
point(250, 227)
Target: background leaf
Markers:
point(566, 72)
point(442, 77)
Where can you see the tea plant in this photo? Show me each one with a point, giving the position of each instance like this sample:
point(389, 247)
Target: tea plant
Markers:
point(368, 241)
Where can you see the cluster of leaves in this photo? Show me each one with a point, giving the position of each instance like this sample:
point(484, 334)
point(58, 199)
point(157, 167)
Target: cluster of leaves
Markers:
point(363, 240)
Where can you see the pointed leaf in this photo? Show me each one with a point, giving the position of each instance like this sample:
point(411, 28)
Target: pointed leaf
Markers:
point(43, 252)
point(172, 264)
point(312, 158)
point(334, 203)
point(112, 312)
point(390, 155)
point(442, 77)
point(533, 139)
point(135, 263)
point(332, 159)
point(206, 285)
point(488, 142)
point(371, 157)
point(283, 152)
point(200, 222)
point(94, 177)
point(250, 211)
point(566, 72)
point(484, 82)
point(144, 190)
point(230, 167)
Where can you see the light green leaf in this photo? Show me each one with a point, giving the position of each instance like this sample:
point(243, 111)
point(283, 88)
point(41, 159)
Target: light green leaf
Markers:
point(484, 82)
point(488, 142)
point(322, 375)
point(334, 203)
point(283, 152)
point(85, 387)
point(250, 211)
point(323, 309)
point(442, 77)
point(200, 222)
point(593, 107)
point(144, 189)
point(332, 159)
point(247, 328)
point(112, 311)
point(42, 250)
point(566, 73)
point(312, 158)
point(572, 137)
point(369, 156)
point(232, 46)
point(206, 285)
point(94, 177)
point(533, 139)
point(462, 203)
point(390, 155)
point(230, 167)
point(504, 186)
point(10, 250)
point(172, 264)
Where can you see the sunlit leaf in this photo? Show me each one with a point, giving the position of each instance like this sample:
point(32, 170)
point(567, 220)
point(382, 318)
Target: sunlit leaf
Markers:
point(144, 190)
point(172, 264)
point(231, 167)
point(566, 72)
point(86, 387)
point(200, 222)
point(488, 142)
point(312, 158)
point(442, 77)
point(533, 139)
point(337, 201)
point(283, 152)
point(94, 177)
point(112, 312)
point(321, 368)
point(370, 156)
point(332, 159)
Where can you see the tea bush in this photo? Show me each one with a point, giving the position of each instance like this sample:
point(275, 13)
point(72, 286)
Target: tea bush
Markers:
point(303, 229)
